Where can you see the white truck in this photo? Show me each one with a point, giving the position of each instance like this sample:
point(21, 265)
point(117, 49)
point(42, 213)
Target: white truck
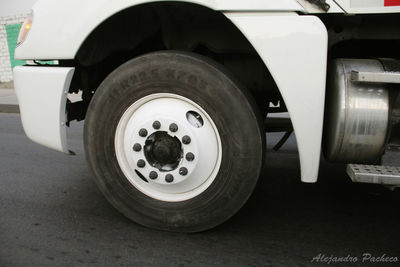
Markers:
point(175, 95)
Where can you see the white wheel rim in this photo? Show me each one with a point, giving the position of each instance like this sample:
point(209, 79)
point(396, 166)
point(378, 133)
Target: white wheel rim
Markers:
point(205, 145)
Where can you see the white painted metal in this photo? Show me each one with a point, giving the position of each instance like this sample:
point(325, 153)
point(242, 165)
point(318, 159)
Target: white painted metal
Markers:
point(54, 28)
point(366, 6)
point(42, 96)
point(205, 145)
point(374, 174)
point(294, 48)
point(375, 77)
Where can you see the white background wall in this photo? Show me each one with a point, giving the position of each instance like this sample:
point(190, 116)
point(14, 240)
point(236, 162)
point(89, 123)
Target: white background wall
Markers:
point(13, 7)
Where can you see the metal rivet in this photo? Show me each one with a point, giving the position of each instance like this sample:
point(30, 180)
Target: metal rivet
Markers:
point(141, 163)
point(137, 147)
point(173, 127)
point(153, 175)
point(189, 156)
point(156, 125)
point(183, 171)
point(186, 139)
point(143, 132)
point(169, 178)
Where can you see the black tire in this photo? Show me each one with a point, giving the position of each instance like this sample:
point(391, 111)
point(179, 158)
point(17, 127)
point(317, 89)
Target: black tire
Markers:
point(230, 107)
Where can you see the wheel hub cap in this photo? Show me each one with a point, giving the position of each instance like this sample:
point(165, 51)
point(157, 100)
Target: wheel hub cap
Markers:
point(163, 151)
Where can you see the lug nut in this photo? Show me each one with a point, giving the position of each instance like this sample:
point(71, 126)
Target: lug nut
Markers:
point(183, 171)
point(186, 139)
point(169, 178)
point(156, 125)
point(141, 163)
point(189, 156)
point(143, 132)
point(137, 147)
point(173, 127)
point(153, 175)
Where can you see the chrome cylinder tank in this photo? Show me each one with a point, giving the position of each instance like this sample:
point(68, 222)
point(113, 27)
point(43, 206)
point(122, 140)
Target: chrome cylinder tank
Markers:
point(356, 114)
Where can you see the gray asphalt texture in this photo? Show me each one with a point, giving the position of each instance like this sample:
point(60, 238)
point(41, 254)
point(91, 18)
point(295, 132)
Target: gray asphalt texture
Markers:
point(52, 214)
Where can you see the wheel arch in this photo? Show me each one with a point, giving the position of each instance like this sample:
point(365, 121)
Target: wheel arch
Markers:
point(173, 25)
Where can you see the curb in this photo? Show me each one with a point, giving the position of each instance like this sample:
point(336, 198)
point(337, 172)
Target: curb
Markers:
point(6, 85)
point(4, 108)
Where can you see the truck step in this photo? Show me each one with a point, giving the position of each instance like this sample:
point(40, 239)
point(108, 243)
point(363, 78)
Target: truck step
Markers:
point(374, 174)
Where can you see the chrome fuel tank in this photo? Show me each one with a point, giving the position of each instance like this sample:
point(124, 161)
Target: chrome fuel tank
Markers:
point(356, 114)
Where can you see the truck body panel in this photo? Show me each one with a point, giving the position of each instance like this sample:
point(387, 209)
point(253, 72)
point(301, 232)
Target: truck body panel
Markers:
point(303, 89)
point(62, 26)
point(43, 115)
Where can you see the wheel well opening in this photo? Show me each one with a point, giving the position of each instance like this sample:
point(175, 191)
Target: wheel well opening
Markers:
point(171, 26)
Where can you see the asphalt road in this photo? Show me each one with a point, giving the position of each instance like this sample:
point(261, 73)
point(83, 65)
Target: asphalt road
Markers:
point(52, 214)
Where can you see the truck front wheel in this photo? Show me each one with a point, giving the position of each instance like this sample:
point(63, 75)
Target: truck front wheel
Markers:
point(174, 142)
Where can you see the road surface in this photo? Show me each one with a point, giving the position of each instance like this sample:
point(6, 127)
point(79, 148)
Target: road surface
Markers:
point(52, 214)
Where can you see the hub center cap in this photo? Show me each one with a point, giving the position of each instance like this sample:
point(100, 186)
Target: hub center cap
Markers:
point(163, 151)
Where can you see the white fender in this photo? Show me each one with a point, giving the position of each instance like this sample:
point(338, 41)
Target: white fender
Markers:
point(294, 49)
point(62, 26)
